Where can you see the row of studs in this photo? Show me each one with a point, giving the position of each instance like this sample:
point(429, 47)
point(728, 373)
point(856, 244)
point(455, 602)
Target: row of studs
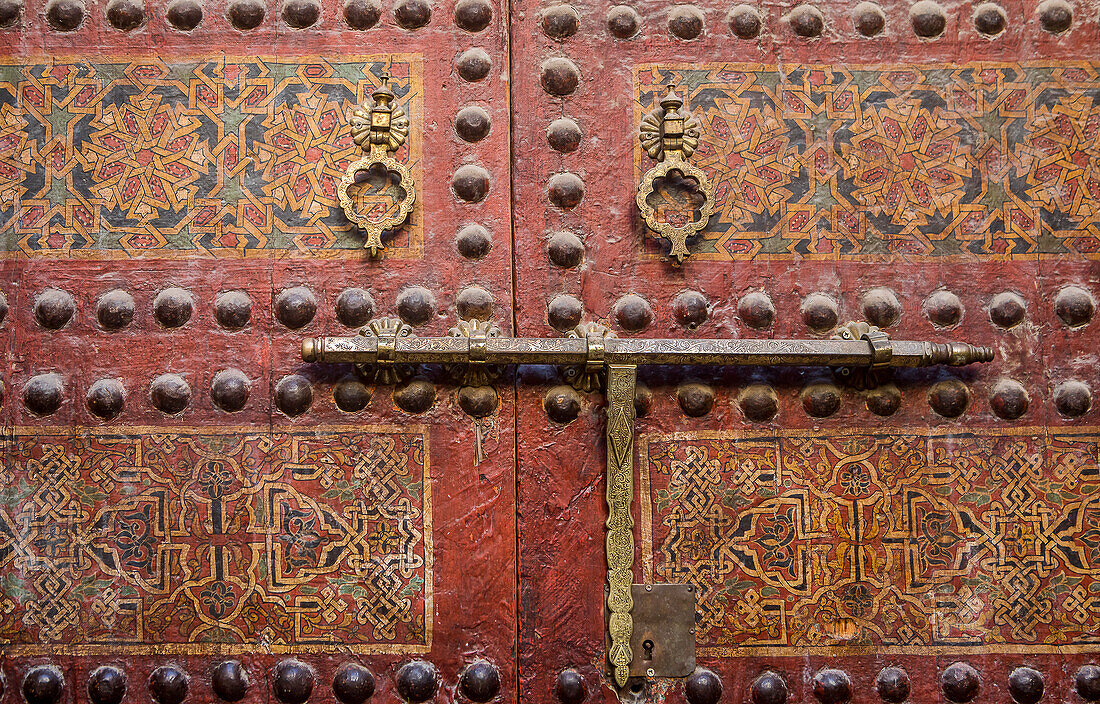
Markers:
point(292, 682)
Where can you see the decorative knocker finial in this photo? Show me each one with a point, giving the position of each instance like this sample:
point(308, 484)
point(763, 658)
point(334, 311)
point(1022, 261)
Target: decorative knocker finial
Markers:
point(670, 135)
point(378, 128)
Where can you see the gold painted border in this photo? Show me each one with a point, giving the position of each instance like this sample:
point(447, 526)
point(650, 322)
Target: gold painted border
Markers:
point(84, 649)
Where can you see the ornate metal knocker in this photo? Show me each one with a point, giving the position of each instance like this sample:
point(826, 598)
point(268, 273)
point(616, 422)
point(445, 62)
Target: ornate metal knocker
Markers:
point(670, 135)
point(378, 128)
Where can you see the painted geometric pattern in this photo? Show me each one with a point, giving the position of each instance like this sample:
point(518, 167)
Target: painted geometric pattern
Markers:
point(975, 160)
point(222, 157)
point(161, 540)
point(899, 540)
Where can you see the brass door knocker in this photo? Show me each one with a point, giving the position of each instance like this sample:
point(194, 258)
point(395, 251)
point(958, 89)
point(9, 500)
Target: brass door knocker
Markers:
point(378, 128)
point(670, 135)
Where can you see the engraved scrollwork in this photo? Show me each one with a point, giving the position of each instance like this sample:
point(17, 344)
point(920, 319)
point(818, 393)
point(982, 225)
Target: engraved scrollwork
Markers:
point(383, 370)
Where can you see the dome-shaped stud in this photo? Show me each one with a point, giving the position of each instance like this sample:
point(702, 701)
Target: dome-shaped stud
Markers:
point(293, 395)
point(623, 21)
point(868, 19)
point(892, 685)
point(570, 688)
point(301, 14)
point(832, 687)
point(184, 15)
point(564, 312)
point(695, 399)
point(884, 400)
point(11, 12)
point(560, 21)
point(806, 21)
point(1074, 306)
point(416, 305)
point(54, 308)
point(1025, 685)
point(65, 15)
point(943, 309)
point(643, 400)
point(168, 685)
point(417, 681)
point(686, 22)
point(473, 242)
point(415, 396)
point(472, 123)
point(990, 19)
point(295, 307)
point(633, 313)
point(565, 249)
point(1009, 399)
point(43, 684)
point(412, 14)
point(566, 190)
point(232, 309)
point(480, 682)
point(106, 398)
point(758, 402)
point(949, 398)
point(229, 681)
point(293, 681)
point(960, 682)
point(352, 684)
point(354, 307)
point(229, 390)
point(474, 303)
point(125, 15)
point(691, 309)
point(928, 19)
point(1072, 398)
point(362, 14)
point(564, 135)
point(470, 183)
point(1055, 16)
point(768, 688)
point(172, 307)
point(170, 394)
point(703, 687)
point(562, 404)
point(1086, 683)
point(350, 394)
point(819, 313)
point(756, 310)
point(246, 15)
point(820, 400)
point(559, 76)
point(106, 685)
point(745, 21)
point(478, 401)
point(881, 307)
point(473, 65)
point(473, 15)
point(1007, 310)
point(43, 394)
point(115, 309)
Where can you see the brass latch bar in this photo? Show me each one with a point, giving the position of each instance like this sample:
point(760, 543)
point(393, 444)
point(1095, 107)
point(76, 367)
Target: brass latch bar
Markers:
point(595, 352)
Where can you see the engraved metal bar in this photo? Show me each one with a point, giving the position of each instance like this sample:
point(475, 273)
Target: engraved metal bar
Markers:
point(621, 379)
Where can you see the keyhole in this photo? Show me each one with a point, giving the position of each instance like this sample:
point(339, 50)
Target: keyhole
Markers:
point(647, 648)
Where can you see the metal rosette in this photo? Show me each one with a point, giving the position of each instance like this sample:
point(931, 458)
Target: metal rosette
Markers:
point(374, 229)
point(676, 236)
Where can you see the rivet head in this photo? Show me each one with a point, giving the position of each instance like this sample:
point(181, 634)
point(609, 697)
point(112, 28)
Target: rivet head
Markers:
point(1056, 16)
point(351, 394)
point(295, 307)
point(470, 183)
point(881, 307)
point(758, 402)
point(769, 688)
point(170, 394)
point(565, 249)
point(819, 312)
point(64, 15)
point(11, 12)
point(1074, 306)
point(883, 400)
point(560, 21)
point(472, 123)
point(480, 682)
point(416, 305)
point(474, 303)
point(1007, 309)
point(412, 14)
point(928, 19)
point(293, 681)
point(949, 398)
point(353, 684)
point(686, 22)
point(756, 310)
point(1025, 685)
point(570, 687)
point(869, 19)
point(415, 396)
point(990, 19)
point(473, 15)
point(696, 399)
point(960, 682)
point(1086, 683)
point(293, 395)
point(1072, 398)
point(115, 309)
point(106, 398)
point(820, 400)
point(54, 308)
point(623, 21)
point(43, 684)
point(807, 21)
point(745, 21)
point(106, 685)
point(562, 404)
point(229, 681)
point(417, 681)
point(564, 312)
point(633, 313)
point(184, 15)
point(230, 389)
point(168, 685)
point(691, 309)
point(43, 394)
point(173, 307)
point(125, 15)
point(892, 685)
point(473, 65)
point(566, 190)
point(246, 14)
point(832, 686)
point(943, 309)
point(354, 307)
point(362, 14)
point(1009, 399)
point(559, 76)
point(232, 309)
point(643, 400)
point(478, 402)
point(473, 242)
point(300, 14)
point(564, 135)
point(703, 687)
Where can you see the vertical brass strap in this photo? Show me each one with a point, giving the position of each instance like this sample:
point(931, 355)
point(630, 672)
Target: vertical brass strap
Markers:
point(621, 379)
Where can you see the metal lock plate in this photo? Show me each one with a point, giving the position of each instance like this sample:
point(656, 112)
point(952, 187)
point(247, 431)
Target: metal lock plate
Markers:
point(663, 641)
